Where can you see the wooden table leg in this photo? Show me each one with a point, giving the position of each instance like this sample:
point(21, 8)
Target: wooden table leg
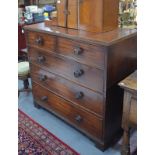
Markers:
point(126, 143)
point(125, 150)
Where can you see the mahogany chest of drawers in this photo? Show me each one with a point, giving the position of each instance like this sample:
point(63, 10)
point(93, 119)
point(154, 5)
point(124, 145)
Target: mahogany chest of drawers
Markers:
point(75, 74)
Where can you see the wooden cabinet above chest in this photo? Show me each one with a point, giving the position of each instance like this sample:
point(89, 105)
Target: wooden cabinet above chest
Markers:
point(75, 75)
point(89, 15)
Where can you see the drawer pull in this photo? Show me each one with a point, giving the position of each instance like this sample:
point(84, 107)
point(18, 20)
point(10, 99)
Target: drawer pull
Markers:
point(78, 73)
point(79, 95)
point(39, 41)
point(42, 77)
point(44, 98)
point(41, 59)
point(78, 51)
point(78, 118)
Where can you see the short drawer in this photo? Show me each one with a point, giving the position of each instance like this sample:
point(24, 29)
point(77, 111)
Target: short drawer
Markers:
point(84, 53)
point(79, 95)
point(41, 40)
point(79, 118)
point(82, 74)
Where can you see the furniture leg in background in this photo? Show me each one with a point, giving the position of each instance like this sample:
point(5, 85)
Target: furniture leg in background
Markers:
point(129, 119)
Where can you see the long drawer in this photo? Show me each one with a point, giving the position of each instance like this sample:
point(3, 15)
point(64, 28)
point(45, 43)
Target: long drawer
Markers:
point(84, 75)
point(83, 120)
point(68, 90)
point(82, 52)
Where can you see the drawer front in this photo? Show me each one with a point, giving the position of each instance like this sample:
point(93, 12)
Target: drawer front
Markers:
point(79, 118)
point(84, 75)
point(42, 40)
point(84, 53)
point(68, 90)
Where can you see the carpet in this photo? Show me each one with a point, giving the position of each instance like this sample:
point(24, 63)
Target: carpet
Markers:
point(33, 139)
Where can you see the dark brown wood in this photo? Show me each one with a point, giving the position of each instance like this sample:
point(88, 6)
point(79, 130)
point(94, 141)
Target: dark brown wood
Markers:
point(69, 69)
point(113, 114)
point(122, 59)
point(41, 40)
point(106, 39)
point(77, 73)
point(68, 90)
point(81, 52)
point(129, 120)
point(82, 119)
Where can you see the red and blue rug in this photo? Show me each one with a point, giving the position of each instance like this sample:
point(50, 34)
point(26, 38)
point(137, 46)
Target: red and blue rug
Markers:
point(33, 139)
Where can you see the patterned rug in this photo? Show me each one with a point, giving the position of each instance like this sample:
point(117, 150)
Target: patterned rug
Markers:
point(33, 139)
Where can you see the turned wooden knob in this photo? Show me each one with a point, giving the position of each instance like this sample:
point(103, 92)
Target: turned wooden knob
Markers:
point(78, 118)
point(78, 73)
point(41, 59)
point(44, 98)
point(42, 77)
point(39, 41)
point(78, 51)
point(79, 95)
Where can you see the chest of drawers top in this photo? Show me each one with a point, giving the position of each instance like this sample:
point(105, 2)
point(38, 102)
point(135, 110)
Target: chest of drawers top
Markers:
point(106, 39)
